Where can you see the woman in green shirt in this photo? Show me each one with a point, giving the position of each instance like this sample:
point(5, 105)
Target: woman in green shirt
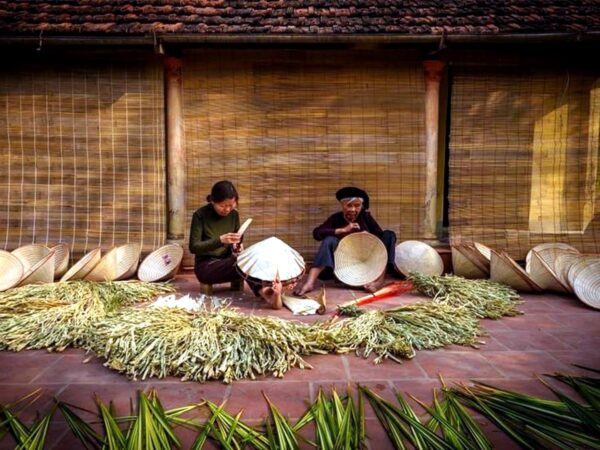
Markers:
point(215, 242)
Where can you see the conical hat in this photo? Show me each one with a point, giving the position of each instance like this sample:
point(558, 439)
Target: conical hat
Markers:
point(106, 269)
point(543, 275)
point(161, 264)
point(586, 285)
point(417, 256)
point(128, 258)
point(360, 258)
point(84, 266)
point(463, 265)
point(577, 266)
point(11, 270)
point(503, 269)
point(270, 258)
point(42, 272)
point(61, 259)
point(563, 264)
point(31, 254)
point(549, 252)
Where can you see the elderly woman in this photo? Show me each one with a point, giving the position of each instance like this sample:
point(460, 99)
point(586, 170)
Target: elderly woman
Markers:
point(353, 217)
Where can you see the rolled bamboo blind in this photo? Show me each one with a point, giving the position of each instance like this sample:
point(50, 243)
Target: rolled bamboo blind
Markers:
point(82, 159)
point(524, 150)
point(290, 127)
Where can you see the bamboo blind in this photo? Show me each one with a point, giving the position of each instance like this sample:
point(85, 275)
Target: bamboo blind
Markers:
point(291, 127)
point(82, 157)
point(524, 158)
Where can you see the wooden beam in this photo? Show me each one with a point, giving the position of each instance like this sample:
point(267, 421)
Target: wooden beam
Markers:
point(177, 220)
point(433, 75)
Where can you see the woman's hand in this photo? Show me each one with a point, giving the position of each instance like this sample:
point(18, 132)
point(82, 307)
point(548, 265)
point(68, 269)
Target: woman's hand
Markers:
point(230, 238)
point(352, 226)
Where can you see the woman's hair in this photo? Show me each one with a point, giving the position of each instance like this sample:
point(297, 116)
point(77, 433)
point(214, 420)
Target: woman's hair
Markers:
point(221, 191)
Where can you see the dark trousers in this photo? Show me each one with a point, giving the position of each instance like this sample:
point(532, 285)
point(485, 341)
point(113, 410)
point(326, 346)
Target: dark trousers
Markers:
point(221, 270)
point(324, 257)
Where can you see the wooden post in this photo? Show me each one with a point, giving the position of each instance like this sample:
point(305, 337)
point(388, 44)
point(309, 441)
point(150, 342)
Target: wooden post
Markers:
point(433, 76)
point(175, 150)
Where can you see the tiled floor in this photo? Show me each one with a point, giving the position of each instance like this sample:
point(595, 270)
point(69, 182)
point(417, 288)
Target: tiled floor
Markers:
point(554, 332)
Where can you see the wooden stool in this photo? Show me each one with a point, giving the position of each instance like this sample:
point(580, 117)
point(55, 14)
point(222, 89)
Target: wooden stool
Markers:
point(237, 285)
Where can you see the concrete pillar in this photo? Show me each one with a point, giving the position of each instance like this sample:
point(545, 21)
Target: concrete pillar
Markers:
point(433, 76)
point(177, 220)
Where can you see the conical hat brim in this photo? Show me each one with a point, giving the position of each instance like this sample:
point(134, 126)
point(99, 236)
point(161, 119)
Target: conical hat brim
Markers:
point(161, 264)
point(563, 264)
point(464, 266)
point(31, 254)
point(543, 276)
point(548, 252)
point(586, 285)
point(61, 259)
point(581, 263)
point(128, 258)
point(483, 250)
point(81, 268)
point(269, 259)
point(106, 269)
point(42, 272)
point(417, 256)
point(11, 270)
point(503, 269)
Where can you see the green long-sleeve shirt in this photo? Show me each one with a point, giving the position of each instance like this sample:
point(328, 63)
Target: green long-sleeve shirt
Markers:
point(207, 227)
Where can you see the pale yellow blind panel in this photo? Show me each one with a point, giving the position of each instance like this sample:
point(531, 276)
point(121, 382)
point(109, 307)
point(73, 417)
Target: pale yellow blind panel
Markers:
point(82, 154)
point(524, 158)
point(291, 127)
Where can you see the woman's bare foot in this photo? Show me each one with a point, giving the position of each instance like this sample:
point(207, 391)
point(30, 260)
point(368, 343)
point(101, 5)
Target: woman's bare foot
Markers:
point(272, 294)
point(303, 289)
point(374, 286)
point(309, 284)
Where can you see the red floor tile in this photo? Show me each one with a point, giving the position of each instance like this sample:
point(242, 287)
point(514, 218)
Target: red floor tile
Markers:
point(362, 369)
point(291, 397)
point(532, 322)
point(521, 364)
point(73, 368)
point(377, 438)
point(529, 340)
point(456, 364)
point(324, 367)
point(27, 365)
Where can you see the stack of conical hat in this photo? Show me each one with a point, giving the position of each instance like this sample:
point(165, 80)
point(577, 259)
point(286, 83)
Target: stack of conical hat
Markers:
point(417, 256)
point(543, 275)
point(360, 258)
point(503, 269)
point(270, 259)
point(466, 264)
point(81, 268)
point(11, 270)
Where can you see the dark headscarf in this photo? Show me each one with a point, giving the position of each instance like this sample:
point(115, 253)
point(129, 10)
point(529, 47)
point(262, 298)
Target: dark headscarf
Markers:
point(351, 191)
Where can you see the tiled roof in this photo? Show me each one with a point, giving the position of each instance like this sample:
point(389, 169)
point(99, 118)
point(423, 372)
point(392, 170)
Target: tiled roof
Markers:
point(424, 17)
